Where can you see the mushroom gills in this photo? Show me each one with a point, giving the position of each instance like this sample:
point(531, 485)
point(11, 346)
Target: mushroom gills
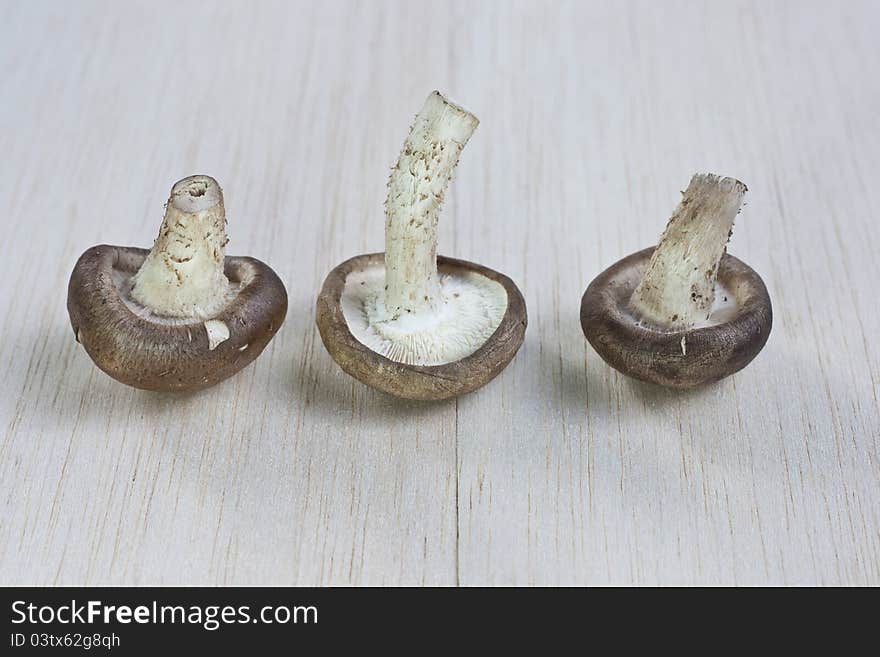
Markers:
point(724, 308)
point(123, 278)
point(470, 309)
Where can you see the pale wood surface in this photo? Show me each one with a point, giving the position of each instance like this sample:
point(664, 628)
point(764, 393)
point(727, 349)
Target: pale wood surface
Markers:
point(561, 471)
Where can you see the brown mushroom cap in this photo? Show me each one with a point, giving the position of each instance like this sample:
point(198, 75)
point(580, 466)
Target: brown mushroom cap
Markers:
point(139, 349)
point(676, 358)
point(424, 382)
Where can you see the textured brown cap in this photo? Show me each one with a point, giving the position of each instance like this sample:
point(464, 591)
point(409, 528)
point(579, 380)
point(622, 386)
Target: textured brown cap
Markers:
point(675, 358)
point(425, 382)
point(152, 353)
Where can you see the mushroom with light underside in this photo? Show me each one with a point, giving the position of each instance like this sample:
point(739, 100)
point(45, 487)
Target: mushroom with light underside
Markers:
point(183, 315)
point(409, 322)
point(684, 313)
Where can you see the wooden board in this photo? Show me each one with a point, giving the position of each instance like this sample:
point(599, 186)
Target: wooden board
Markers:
point(561, 471)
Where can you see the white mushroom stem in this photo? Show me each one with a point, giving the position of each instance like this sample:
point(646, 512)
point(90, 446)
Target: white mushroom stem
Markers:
point(183, 274)
point(677, 289)
point(415, 194)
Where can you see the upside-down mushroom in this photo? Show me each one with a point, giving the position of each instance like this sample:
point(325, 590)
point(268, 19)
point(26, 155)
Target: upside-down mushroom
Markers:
point(407, 321)
point(684, 313)
point(181, 316)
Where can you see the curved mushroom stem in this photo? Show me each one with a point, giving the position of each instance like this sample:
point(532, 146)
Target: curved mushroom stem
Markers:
point(183, 274)
point(415, 194)
point(677, 289)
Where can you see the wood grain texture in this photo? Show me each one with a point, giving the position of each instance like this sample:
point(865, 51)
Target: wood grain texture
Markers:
point(560, 471)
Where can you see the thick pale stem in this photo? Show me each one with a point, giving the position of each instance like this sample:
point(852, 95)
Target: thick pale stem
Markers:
point(183, 274)
point(415, 194)
point(678, 287)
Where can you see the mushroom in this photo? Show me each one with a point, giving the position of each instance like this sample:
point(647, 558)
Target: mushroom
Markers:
point(180, 316)
point(685, 313)
point(409, 322)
